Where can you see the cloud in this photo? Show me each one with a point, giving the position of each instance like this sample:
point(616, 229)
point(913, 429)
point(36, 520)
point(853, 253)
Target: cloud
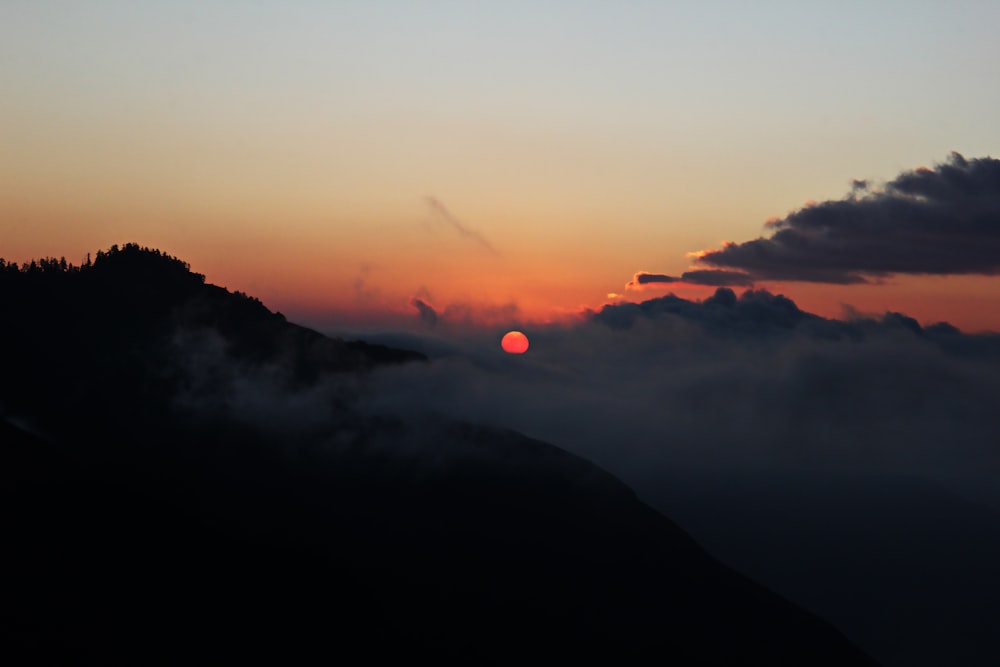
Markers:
point(441, 213)
point(643, 278)
point(754, 311)
point(427, 313)
point(939, 221)
point(709, 277)
point(717, 278)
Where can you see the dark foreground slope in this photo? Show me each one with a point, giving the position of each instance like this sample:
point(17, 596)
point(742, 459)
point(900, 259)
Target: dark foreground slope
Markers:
point(902, 566)
point(156, 510)
point(539, 558)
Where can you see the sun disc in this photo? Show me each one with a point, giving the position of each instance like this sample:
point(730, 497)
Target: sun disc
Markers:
point(514, 342)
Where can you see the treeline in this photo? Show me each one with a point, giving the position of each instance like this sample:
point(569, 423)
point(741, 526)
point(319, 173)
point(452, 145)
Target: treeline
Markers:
point(44, 265)
point(135, 270)
point(130, 256)
point(111, 320)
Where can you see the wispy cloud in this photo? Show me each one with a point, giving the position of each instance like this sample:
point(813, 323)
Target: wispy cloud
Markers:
point(442, 214)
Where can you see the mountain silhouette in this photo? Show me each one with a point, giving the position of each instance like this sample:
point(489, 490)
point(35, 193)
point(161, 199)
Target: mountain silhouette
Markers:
point(106, 340)
point(184, 473)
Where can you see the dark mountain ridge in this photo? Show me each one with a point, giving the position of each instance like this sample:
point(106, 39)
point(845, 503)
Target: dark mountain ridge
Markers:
point(163, 509)
point(114, 332)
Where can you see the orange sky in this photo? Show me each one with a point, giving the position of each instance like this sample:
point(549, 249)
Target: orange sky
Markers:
point(367, 276)
point(289, 150)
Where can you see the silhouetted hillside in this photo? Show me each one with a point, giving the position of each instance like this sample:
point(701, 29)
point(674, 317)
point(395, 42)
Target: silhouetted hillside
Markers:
point(126, 333)
point(199, 483)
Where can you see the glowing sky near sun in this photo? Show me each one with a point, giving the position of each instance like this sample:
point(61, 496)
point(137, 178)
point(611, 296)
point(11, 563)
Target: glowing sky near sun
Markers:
point(508, 161)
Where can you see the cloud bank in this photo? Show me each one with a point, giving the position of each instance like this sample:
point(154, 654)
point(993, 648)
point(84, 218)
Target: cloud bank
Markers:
point(739, 382)
point(942, 221)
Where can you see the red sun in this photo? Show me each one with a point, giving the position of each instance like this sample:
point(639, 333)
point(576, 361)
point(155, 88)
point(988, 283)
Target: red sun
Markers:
point(514, 342)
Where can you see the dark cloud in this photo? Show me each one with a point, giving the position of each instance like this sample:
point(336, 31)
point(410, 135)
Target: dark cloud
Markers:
point(717, 278)
point(427, 313)
point(941, 221)
point(724, 312)
point(441, 213)
point(643, 278)
point(710, 277)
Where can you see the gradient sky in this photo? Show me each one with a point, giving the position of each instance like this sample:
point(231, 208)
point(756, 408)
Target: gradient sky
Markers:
point(501, 161)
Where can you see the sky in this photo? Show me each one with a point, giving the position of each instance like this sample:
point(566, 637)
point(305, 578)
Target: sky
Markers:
point(508, 163)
